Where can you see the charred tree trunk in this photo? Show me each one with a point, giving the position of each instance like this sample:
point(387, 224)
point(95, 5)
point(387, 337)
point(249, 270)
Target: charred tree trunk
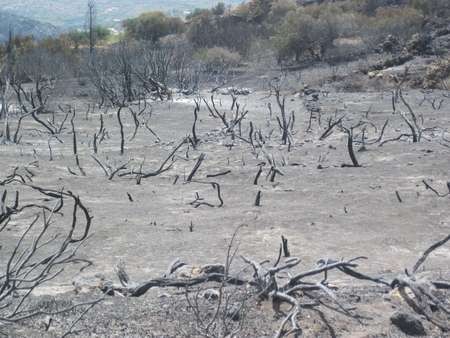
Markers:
point(122, 134)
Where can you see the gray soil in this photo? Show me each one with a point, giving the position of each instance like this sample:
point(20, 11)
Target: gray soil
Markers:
point(324, 209)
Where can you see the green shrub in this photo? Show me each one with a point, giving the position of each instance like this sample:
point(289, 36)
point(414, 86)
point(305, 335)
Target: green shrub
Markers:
point(370, 7)
point(152, 25)
point(279, 10)
point(296, 36)
point(399, 22)
point(218, 59)
point(219, 9)
point(437, 74)
point(438, 8)
point(81, 38)
point(311, 31)
point(228, 31)
point(253, 10)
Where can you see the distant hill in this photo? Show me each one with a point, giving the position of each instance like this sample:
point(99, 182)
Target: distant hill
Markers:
point(72, 13)
point(24, 26)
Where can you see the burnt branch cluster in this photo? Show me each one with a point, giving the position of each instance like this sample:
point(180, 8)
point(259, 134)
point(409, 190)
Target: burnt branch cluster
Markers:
point(281, 282)
point(43, 249)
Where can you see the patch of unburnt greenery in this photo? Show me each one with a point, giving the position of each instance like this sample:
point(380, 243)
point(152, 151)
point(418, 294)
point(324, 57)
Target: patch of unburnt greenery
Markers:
point(293, 31)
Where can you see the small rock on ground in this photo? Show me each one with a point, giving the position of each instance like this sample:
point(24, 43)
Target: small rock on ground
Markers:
point(408, 323)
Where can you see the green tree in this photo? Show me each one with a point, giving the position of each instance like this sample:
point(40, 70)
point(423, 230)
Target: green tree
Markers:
point(295, 36)
point(307, 33)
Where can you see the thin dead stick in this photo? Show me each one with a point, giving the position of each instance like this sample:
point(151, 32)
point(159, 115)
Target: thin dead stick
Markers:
point(330, 128)
point(75, 147)
point(428, 186)
point(122, 135)
point(258, 174)
point(196, 167)
point(258, 199)
point(219, 174)
point(429, 251)
point(163, 167)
